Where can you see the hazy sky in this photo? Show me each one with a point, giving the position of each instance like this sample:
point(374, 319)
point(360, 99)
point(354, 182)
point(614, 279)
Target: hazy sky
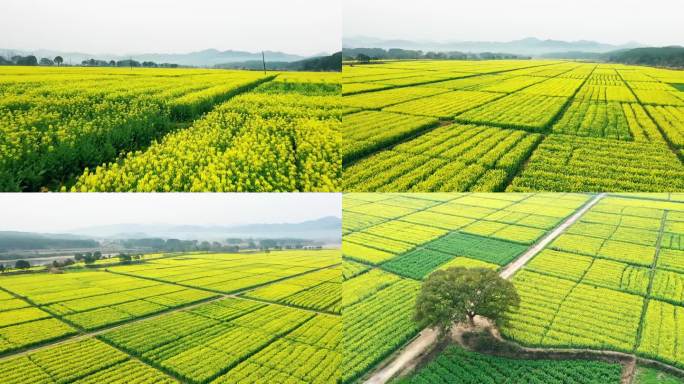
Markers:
point(171, 26)
point(654, 22)
point(41, 212)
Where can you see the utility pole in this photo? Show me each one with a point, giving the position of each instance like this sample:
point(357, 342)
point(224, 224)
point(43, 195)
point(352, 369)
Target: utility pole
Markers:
point(263, 61)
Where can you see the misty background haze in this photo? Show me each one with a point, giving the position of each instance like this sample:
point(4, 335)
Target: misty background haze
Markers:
point(653, 23)
point(64, 213)
point(303, 27)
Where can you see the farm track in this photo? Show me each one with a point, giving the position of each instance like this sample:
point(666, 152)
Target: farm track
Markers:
point(427, 337)
point(518, 263)
point(88, 334)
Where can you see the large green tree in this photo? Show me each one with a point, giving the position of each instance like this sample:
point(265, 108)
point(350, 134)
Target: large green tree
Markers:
point(457, 295)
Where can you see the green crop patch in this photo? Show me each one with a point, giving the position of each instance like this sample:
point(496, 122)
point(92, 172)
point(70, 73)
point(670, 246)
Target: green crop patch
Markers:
point(477, 247)
point(456, 365)
point(417, 264)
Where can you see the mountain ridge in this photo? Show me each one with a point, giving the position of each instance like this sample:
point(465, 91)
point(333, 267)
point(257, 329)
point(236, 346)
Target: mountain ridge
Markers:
point(202, 58)
point(525, 46)
point(325, 227)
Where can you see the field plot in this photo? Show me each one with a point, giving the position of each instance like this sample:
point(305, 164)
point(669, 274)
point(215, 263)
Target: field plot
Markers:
point(260, 329)
point(87, 361)
point(450, 158)
point(95, 129)
point(525, 126)
point(456, 365)
point(228, 273)
point(563, 162)
point(393, 241)
point(91, 300)
point(602, 284)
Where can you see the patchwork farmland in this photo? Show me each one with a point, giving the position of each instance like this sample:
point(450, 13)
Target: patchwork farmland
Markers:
point(164, 130)
point(517, 126)
point(611, 281)
point(192, 318)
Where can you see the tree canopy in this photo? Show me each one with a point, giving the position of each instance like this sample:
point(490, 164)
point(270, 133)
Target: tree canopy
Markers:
point(457, 294)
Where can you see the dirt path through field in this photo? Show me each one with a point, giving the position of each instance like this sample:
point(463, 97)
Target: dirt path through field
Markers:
point(518, 263)
point(418, 346)
point(427, 338)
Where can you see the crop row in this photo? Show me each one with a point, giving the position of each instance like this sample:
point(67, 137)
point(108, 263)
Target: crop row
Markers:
point(368, 131)
point(519, 110)
point(445, 105)
point(451, 158)
point(661, 337)
point(352, 269)
point(326, 296)
point(23, 335)
point(61, 364)
point(605, 120)
point(288, 360)
point(82, 298)
point(174, 342)
point(671, 121)
point(561, 313)
point(567, 163)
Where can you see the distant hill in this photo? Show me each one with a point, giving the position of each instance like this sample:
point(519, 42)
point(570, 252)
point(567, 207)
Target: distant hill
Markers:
point(576, 55)
point(205, 58)
point(362, 54)
point(15, 241)
point(330, 63)
point(672, 57)
point(528, 46)
point(327, 228)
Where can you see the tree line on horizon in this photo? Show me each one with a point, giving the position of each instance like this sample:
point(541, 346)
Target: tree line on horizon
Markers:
point(32, 60)
point(373, 54)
